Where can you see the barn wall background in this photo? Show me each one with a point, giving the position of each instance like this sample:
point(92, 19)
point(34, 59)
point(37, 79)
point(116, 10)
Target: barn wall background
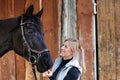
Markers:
point(14, 67)
point(108, 20)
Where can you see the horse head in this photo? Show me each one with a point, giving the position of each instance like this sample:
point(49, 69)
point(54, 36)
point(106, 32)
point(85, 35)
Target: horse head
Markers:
point(28, 40)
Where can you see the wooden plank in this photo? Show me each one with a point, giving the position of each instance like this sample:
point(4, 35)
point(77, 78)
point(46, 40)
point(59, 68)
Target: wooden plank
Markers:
point(8, 66)
point(0, 70)
point(51, 26)
point(8, 60)
point(117, 36)
point(106, 39)
point(20, 63)
point(85, 35)
point(2, 9)
point(68, 21)
point(0, 58)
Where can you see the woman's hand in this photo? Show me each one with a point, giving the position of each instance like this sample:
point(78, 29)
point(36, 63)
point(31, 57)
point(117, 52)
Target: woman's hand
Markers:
point(47, 73)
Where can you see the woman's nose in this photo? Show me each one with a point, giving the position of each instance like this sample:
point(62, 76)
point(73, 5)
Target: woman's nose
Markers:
point(62, 47)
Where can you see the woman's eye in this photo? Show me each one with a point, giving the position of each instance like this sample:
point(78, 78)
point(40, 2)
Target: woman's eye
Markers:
point(66, 46)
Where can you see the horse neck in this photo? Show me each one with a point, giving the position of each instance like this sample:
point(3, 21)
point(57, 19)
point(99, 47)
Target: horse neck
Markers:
point(8, 25)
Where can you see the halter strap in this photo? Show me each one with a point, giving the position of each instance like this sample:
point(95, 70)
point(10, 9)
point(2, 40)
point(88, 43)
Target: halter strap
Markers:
point(28, 23)
point(25, 41)
point(29, 48)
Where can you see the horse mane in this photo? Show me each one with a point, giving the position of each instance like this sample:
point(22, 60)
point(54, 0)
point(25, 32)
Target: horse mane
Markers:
point(6, 26)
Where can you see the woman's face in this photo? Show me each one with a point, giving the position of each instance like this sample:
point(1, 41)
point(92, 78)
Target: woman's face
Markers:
point(66, 51)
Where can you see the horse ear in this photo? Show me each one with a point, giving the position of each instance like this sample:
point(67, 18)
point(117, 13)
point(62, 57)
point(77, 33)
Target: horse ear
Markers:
point(39, 13)
point(29, 10)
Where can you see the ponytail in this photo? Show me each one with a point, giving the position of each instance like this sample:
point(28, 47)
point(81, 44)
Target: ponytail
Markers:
point(82, 57)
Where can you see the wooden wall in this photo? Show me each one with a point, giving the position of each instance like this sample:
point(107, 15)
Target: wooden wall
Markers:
point(85, 35)
point(108, 24)
point(77, 23)
point(14, 67)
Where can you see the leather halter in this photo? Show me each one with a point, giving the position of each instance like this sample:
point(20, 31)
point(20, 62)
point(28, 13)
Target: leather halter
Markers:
point(30, 49)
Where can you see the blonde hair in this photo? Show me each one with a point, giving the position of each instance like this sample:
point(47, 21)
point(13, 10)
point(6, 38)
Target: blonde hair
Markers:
point(78, 52)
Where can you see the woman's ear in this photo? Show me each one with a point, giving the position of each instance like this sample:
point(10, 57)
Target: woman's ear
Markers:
point(39, 14)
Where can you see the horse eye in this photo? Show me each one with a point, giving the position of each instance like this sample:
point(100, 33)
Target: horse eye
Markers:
point(30, 31)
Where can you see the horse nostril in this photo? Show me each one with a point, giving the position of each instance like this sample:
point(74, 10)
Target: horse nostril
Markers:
point(32, 59)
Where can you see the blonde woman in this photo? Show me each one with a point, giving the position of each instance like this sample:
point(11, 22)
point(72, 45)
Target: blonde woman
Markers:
point(68, 66)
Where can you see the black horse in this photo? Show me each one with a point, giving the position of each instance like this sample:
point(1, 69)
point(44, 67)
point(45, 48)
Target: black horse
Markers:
point(24, 35)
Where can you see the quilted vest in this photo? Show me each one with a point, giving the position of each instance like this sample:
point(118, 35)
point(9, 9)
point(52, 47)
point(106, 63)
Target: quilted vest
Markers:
point(63, 72)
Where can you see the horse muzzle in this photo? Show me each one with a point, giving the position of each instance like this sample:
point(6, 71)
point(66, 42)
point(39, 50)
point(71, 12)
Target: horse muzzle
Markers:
point(44, 62)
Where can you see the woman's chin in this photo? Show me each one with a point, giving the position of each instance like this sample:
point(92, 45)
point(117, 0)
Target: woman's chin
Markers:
point(61, 54)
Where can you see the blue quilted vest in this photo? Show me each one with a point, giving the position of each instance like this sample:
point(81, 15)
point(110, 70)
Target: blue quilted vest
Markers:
point(63, 72)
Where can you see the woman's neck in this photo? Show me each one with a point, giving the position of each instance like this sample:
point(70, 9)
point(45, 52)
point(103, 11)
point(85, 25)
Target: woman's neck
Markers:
point(66, 58)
